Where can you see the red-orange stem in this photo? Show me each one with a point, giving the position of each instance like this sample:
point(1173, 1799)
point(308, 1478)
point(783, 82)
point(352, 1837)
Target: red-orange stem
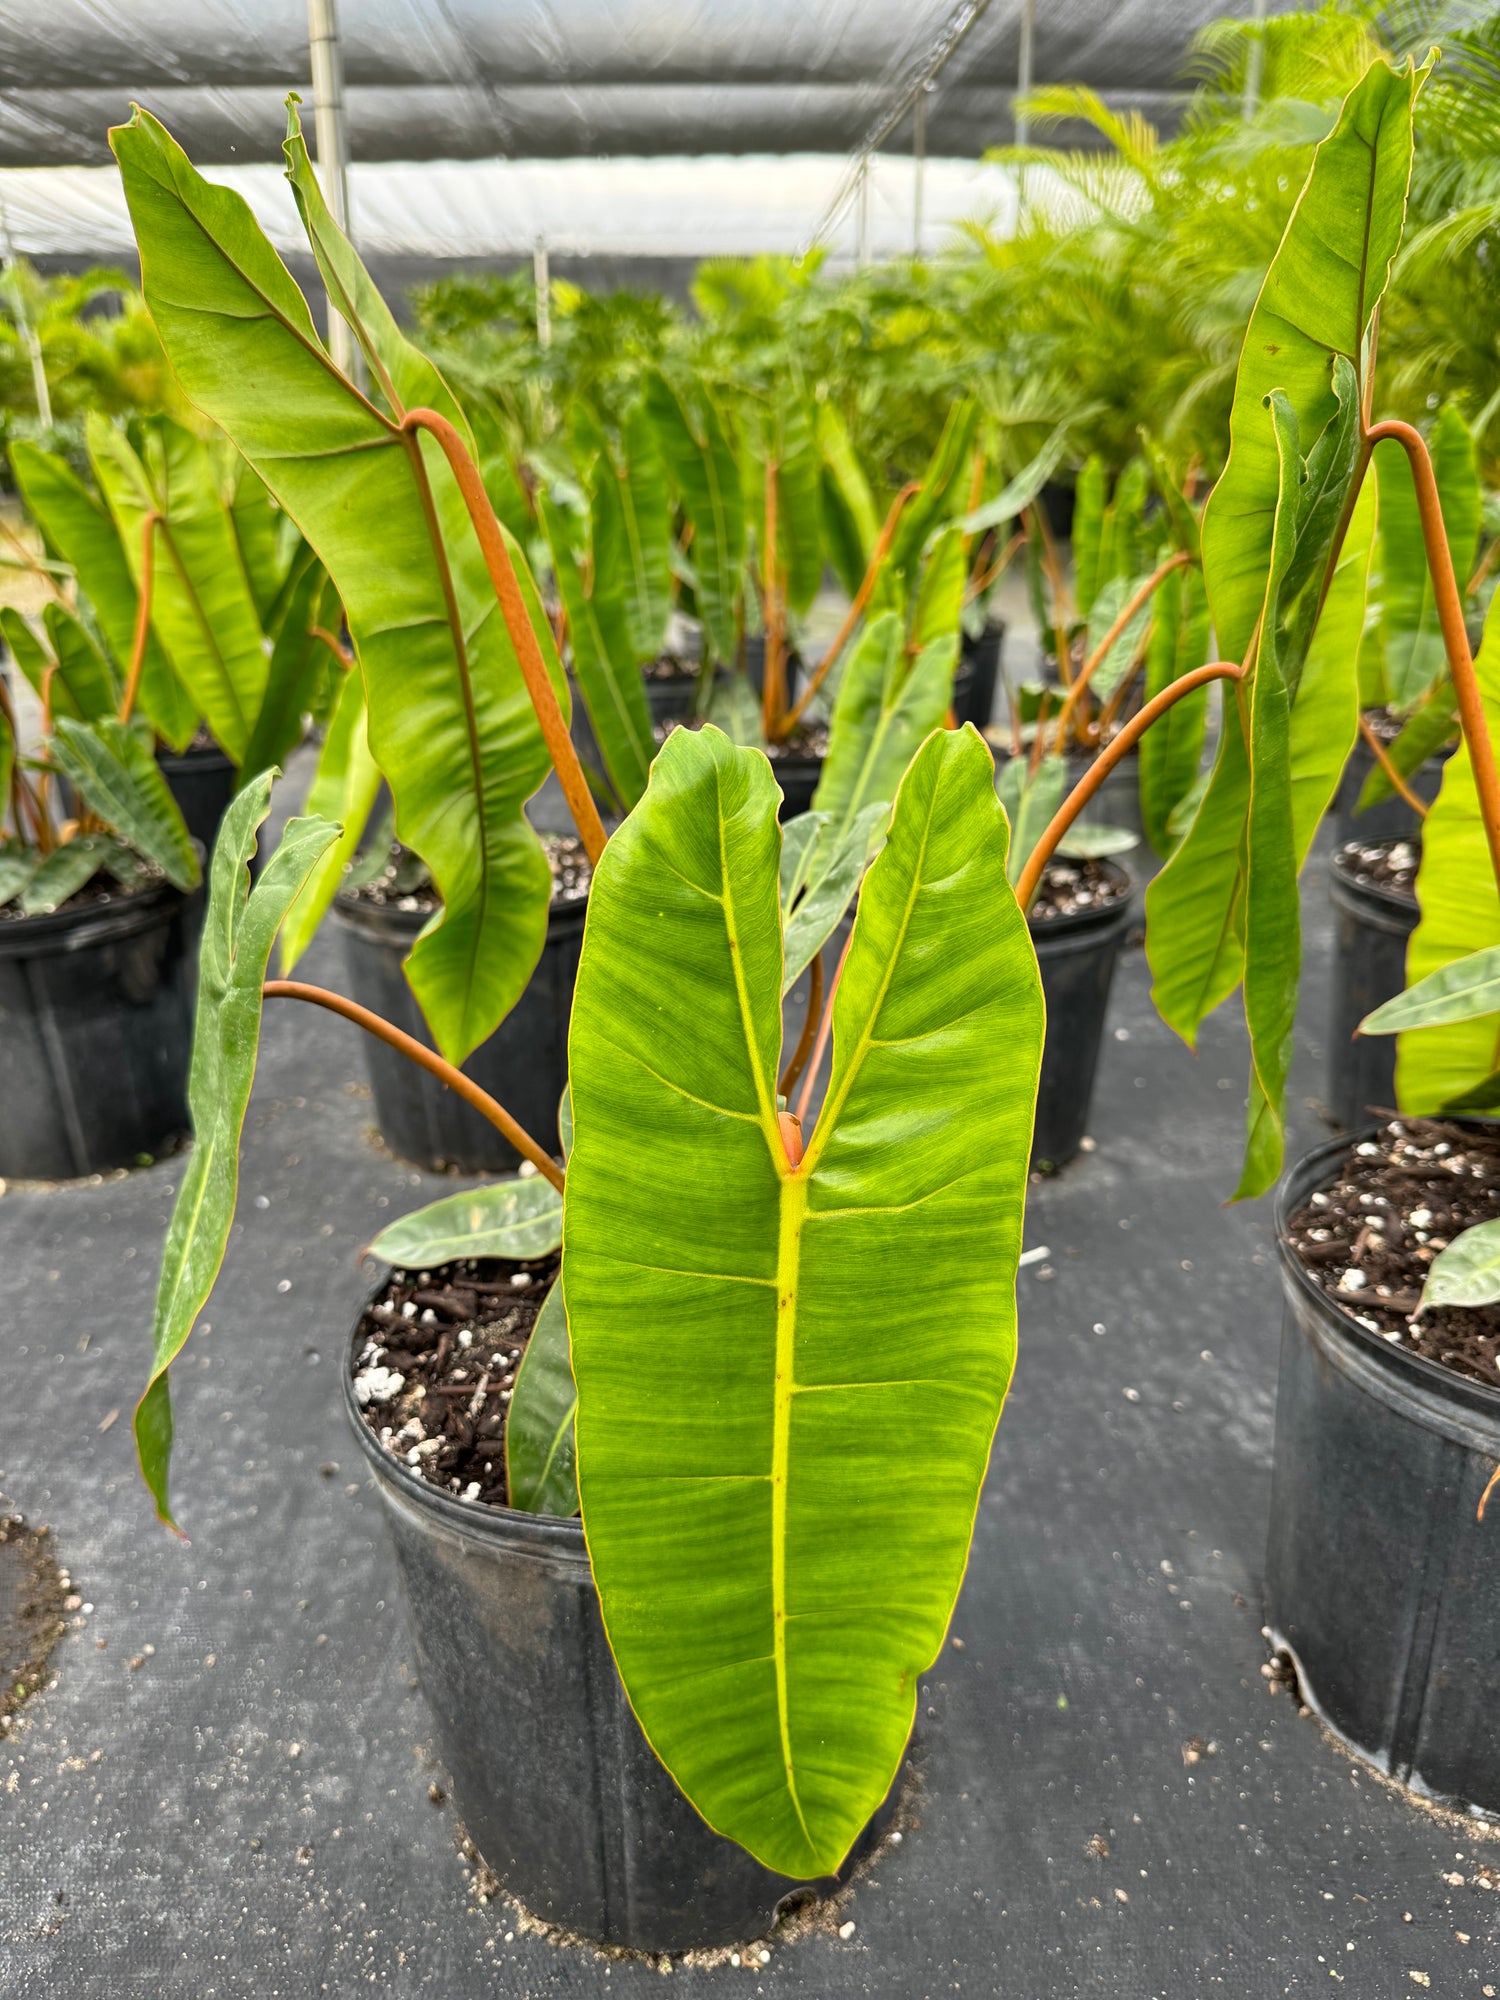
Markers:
point(825, 1029)
point(142, 631)
point(1384, 759)
point(1104, 763)
point(513, 609)
point(1450, 612)
point(396, 1038)
point(1101, 651)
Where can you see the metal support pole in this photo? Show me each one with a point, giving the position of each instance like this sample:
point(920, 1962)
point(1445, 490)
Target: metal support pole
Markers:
point(1255, 59)
point(862, 217)
point(541, 277)
point(333, 152)
point(1024, 64)
point(919, 167)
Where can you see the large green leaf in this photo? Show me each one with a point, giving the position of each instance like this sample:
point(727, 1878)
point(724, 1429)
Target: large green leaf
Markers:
point(450, 722)
point(65, 667)
point(850, 521)
point(1111, 600)
point(256, 533)
point(707, 479)
point(78, 527)
point(344, 788)
point(822, 865)
point(886, 706)
point(1031, 799)
point(1414, 655)
point(1018, 493)
point(539, 1442)
point(1088, 531)
point(65, 871)
point(799, 501)
point(1317, 300)
point(1171, 748)
point(594, 590)
point(780, 1442)
point(1460, 916)
point(941, 496)
point(633, 529)
point(116, 774)
point(299, 665)
point(202, 609)
point(1462, 990)
point(238, 932)
point(940, 592)
point(516, 1217)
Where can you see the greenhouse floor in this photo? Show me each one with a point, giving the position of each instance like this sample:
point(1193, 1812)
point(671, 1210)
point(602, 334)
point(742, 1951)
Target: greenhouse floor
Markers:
point(226, 1792)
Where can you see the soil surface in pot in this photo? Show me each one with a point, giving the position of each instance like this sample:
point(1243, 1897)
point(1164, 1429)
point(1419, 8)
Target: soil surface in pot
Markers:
point(435, 1367)
point(404, 884)
point(669, 668)
point(808, 739)
point(98, 894)
point(1068, 887)
point(1380, 864)
point(1367, 1239)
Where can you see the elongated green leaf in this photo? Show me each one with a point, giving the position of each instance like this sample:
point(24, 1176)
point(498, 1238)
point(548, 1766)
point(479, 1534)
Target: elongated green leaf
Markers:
point(1030, 799)
point(1464, 990)
point(850, 521)
point(940, 591)
point(83, 685)
point(707, 479)
point(77, 525)
point(117, 775)
point(450, 722)
point(202, 609)
point(633, 528)
point(1428, 730)
point(1092, 840)
point(1088, 532)
point(539, 1442)
point(1414, 657)
point(299, 664)
point(594, 596)
point(1323, 285)
point(238, 932)
point(1107, 606)
point(940, 496)
point(752, 1320)
point(63, 873)
point(1460, 916)
point(827, 864)
point(1018, 494)
point(255, 531)
point(1173, 746)
point(17, 865)
point(344, 788)
point(515, 1217)
point(799, 501)
point(1467, 1273)
point(885, 707)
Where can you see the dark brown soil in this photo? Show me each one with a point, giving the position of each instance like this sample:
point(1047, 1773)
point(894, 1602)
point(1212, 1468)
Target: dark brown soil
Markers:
point(808, 739)
point(1384, 725)
point(1380, 864)
point(669, 668)
point(1367, 1239)
point(404, 884)
point(435, 1365)
point(1069, 886)
point(33, 1605)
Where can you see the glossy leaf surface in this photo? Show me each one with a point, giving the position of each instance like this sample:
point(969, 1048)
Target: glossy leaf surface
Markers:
point(516, 1217)
point(1461, 991)
point(238, 931)
point(707, 478)
point(344, 788)
point(774, 1576)
point(822, 865)
point(885, 707)
point(1171, 749)
point(1467, 1273)
point(540, 1475)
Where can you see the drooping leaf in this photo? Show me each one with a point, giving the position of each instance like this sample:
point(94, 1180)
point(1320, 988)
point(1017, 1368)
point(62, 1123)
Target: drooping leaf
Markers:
point(238, 932)
point(850, 520)
point(939, 498)
point(593, 587)
point(940, 592)
point(1031, 799)
point(751, 1320)
point(1414, 657)
point(885, 707)
point(115, 772)
point(450, 722)
point(1460, 915)
point(78, 526)
point(202, 609)
point(703, 470)
point(344, 788)
point(513, 1217)
point(827, 866)
point(1322, 287)
point(1172, 747)
point(299, 663)
point(539, 1443)
point(1467, 1273)
point(83, 685)
point(1466, 989)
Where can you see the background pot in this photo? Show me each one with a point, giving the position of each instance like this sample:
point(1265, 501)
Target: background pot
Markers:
point(797, 773)
point(1372, 926)
point(524, 1063)
point(202, 782)
point(1077, 956)
point(977, 676)
point(1380, 1583)
point(96, 1025)
point(1393, 818)
point(552, 1777)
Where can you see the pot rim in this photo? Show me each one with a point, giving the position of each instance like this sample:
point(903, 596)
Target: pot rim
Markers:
point(211, 757)
point(386, 922)
point(1101, 916)
point(1295, 1185)
point(54, 933)
point(475, 1521)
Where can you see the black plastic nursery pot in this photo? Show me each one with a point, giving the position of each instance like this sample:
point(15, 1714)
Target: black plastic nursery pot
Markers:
point(797, 772)
point(203, 783)
point(671, 697)
point(1382, 1588)
point(524, 1063)
point(96, 1026)
point(1393, 818)
point(1077, 954)
point(977, 676)
point(552, 1776)
point(1373, 923)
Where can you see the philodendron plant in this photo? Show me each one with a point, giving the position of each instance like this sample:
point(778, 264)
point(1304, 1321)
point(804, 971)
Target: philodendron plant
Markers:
point(735, 1300)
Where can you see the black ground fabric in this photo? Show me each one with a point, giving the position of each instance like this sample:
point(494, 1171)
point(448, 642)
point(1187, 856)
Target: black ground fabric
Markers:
point(229, 1794)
